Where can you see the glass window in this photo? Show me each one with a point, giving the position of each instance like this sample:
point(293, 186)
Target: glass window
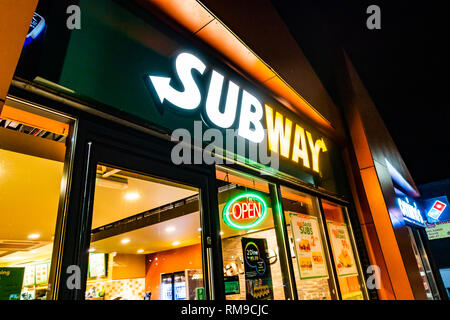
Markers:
point(423, 264)
point(33, 145)
point(343, 249)
point(310, 257)
point(252, 268)
point(145, 239)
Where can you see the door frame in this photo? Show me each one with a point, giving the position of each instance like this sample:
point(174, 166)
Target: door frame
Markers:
point(132, 150)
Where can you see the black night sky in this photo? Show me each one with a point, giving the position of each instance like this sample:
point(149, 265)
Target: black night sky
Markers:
point(401, 65)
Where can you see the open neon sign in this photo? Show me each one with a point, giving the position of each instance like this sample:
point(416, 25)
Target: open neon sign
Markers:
point(245, 211)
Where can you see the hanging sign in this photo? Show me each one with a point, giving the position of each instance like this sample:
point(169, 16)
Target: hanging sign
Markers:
point(308, 247)
point(245, 211)
point(258, 277)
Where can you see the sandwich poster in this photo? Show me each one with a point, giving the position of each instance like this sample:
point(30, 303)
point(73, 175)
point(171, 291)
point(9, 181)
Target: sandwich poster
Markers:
point(308, 247)
point(342, 250)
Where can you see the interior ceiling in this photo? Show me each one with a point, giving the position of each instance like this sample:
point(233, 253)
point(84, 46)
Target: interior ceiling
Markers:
point(110, 204)
point(157, 237)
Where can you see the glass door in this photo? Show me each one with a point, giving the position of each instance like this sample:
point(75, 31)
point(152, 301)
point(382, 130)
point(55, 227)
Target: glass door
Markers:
point(142, 227)
point(146, 232)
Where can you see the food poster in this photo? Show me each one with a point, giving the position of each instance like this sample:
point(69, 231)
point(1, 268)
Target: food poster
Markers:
point(258, 276)
point(342, 250)
point(29, 276)
point(97, 265)
point(42, 273)
point(308, 247)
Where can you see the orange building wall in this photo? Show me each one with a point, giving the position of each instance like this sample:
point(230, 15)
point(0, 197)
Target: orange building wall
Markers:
point(189, 257)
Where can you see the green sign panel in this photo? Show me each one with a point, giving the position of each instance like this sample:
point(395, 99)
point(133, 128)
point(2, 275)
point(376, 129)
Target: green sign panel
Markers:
point(232, 285)
point(11, 280)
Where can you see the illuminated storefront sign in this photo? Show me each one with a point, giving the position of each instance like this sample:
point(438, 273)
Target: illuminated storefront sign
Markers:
point(36, 28)
point(410, 212)
point(437, 209)
point(245, 211)
point(286, 138)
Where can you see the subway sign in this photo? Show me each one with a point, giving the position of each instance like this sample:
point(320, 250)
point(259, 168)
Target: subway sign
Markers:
point(254, 120)
point(245, 211)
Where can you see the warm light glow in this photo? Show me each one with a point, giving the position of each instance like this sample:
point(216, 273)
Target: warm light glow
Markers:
point(175, 243)
point(316, 147)
point(199, 229)
point(34, 236)
point(33, 251)
point(278, 132)
point(132, 196)
point(140, 251)
point(300, 148)
point(170, 229)
point(91, 249)
point(125, 241)
point(221, 233)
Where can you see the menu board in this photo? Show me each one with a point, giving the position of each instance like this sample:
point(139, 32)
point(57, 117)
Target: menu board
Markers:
point(308, 247)
point(42, 273)
point(258, 277)
point(97, 265)
point(438, 230)
point(29, 276)
point(342, 250)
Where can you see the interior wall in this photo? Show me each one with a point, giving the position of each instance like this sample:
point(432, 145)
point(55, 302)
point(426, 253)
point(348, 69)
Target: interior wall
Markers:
point(179, 259)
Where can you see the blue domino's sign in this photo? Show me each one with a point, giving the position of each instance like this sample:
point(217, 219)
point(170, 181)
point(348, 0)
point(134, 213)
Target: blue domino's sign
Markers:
point(436, 209)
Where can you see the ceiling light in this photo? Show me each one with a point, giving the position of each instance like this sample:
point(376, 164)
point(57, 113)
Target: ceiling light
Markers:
point(125, 241)
point(91, 250)
point(170, 229)
point(132, 196)
point(140, 251)
point(175, 243)
point(34, 236)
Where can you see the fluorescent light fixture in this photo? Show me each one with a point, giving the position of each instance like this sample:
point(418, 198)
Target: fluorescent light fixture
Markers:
point(175, 243)
point(34, 236)
point(170, 229)
point(125, 241)
point(132, 196)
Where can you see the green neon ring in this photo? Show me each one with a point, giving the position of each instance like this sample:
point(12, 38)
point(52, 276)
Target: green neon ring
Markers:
point(226, 214)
